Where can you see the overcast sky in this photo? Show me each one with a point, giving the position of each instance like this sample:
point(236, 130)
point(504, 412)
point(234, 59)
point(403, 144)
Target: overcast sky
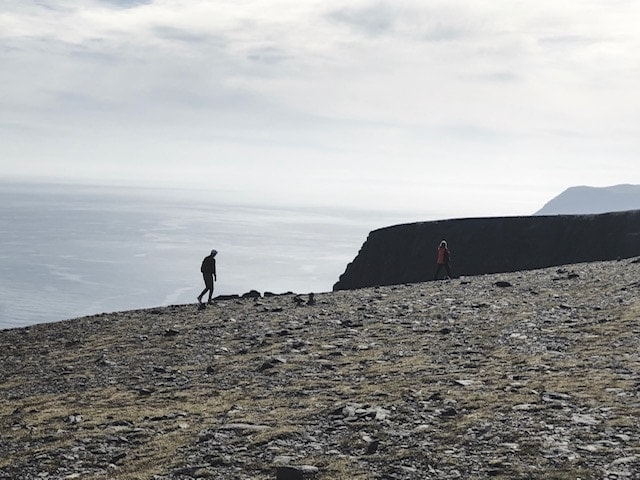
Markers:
point(451, 108)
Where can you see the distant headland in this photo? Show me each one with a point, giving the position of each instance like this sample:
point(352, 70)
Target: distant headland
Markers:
point(406, 253)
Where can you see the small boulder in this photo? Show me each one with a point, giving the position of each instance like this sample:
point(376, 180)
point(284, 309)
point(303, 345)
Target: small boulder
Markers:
point(296, 473)
point(251, 294)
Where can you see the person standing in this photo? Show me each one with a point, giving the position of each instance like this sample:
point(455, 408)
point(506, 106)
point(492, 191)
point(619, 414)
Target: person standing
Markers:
point(444, 257)
point(208, 269)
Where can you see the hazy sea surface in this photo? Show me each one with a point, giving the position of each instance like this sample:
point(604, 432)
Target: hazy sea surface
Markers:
point(70, 251)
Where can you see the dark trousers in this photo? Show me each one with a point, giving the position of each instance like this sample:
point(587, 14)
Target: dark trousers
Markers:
point(440, 267)
point(208, 282)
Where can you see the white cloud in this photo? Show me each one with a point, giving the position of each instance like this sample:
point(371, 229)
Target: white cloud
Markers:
point(429, 95)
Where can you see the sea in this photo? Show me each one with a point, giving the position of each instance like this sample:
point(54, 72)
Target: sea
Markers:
point(68, 251)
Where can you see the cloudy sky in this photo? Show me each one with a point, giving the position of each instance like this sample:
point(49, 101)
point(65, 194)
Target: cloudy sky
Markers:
point(452, 107)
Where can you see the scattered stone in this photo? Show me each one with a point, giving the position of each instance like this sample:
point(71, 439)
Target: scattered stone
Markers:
point(584, 419)
point(75, 419)
point(251, 294)
point(448, 412)
point(105, 362)
point(481, 305)
point(464, 383)
point(272, 363)
point(372, 447)
point(555, 397)
point(244, 427)
point(223, 298)
point(525, 407)
point(171, 332)
point(434, 380)
point(296, 473)
point(349, 323)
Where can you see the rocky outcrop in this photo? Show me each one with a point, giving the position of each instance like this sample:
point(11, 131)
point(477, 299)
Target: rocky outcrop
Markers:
point(527, 375)
point(406, 253)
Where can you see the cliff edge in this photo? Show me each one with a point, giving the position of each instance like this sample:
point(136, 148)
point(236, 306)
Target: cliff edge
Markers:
point(407, 253)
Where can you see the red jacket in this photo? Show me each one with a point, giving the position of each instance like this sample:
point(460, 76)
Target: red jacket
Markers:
point(443, 255)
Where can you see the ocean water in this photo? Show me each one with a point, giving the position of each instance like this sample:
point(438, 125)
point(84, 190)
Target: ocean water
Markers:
point(70, 251)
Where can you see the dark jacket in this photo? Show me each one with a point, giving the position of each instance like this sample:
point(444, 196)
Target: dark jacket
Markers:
point(208, 266)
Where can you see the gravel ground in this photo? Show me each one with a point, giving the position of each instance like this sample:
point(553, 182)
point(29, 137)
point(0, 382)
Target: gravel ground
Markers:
point(521, 375)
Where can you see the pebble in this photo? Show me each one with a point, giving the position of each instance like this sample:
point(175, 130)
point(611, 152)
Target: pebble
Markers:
point(439, 380)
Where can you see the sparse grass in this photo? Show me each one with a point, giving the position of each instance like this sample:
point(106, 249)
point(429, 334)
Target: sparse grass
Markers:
point(281, 432)
point(155, 393)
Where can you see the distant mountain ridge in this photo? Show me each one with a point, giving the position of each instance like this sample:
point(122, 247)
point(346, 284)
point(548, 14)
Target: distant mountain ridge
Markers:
point(593, 200)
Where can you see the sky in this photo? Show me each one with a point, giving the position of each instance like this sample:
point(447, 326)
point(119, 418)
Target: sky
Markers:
point(448, 108)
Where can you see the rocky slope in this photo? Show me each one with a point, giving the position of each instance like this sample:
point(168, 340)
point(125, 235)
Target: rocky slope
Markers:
point(522, 375)
point(407, 253)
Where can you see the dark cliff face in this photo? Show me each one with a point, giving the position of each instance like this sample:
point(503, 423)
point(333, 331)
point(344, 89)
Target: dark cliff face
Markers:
point(407, 253)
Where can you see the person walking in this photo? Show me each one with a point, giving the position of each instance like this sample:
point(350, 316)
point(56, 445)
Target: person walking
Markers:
point(444, 257)
point(208, 269)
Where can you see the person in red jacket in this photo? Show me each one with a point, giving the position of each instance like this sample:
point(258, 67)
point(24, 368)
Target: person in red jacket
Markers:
point(208, 269)
point(444, 257)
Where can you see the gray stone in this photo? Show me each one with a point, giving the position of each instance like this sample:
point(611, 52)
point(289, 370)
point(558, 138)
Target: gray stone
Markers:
point(296, 473)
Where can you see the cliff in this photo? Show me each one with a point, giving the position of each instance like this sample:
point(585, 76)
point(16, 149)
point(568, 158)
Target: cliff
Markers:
point(523, 375)
point(407, 253)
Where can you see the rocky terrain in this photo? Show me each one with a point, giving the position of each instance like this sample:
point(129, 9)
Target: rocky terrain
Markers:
point(407, 253)
point(524, 375)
